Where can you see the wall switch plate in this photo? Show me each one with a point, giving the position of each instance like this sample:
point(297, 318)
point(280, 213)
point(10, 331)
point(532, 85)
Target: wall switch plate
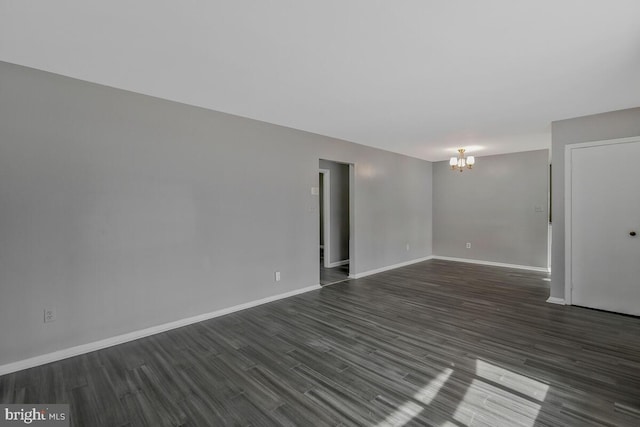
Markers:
point(408, 247)
point(49, 315)
point(315, 191)
point(277, 276)
point(468, 245)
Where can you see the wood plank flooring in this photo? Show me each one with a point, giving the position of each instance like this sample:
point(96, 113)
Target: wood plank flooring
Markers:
point(330, 276)
point(436, 343)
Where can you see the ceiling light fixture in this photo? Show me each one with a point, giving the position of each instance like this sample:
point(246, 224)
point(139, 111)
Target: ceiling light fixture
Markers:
point(462, 161)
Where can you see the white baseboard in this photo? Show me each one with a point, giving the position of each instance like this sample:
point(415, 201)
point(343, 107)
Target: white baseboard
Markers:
point(556, 300)
point(494, 264)
point(389, 267)
point(131, 336)
point(338, 263)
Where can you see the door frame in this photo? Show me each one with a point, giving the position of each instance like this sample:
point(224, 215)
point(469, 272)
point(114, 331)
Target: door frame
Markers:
point(326, 214)
point(352, 220)
point(568, 157)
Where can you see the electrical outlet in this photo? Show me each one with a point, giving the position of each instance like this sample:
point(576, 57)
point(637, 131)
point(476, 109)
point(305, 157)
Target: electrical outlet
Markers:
point(468, 245)
point(49, 315)
point(277, 276)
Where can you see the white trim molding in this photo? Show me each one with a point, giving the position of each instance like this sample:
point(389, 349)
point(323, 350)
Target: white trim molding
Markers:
point(389, 267)
point(131, 336)
point(494, 264)
point(338, 263)
point(326, 215)
point(556, 300)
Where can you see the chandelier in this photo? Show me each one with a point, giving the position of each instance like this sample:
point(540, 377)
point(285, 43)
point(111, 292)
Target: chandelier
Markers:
point(462, 161)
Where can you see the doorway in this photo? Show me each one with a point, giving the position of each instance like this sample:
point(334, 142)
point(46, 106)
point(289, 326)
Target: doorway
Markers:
point(335, 221)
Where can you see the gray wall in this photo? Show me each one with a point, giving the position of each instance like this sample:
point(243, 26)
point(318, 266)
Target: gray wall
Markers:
point(493, 208)
point(125, 211)
point(598, 127)
point(339, 205)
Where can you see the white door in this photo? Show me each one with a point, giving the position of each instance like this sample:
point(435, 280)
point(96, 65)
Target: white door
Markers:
point(605, 214)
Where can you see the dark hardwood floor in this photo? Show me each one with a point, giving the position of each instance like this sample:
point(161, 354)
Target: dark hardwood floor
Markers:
point(330, 276)
point(435, 343)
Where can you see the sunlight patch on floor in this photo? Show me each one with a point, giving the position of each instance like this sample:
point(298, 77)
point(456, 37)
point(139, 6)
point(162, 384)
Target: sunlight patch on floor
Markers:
point(496, 396)
point(514, 381)
point(505, 398)
point(409, 410)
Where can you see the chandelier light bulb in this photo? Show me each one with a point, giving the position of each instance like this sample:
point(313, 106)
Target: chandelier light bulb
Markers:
point(461, 161)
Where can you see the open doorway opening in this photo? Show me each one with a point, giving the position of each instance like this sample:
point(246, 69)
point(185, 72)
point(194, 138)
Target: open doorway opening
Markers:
point(335, 221)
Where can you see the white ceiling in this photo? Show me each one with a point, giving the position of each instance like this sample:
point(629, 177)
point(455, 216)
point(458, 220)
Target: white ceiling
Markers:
point(419, 77)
